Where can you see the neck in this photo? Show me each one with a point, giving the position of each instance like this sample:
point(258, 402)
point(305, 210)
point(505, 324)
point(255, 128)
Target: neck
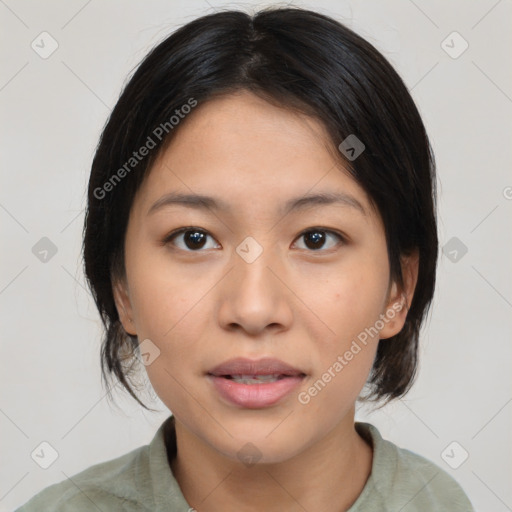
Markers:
point(328, 475)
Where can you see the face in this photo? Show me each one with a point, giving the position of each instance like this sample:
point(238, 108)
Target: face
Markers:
point(253, 277)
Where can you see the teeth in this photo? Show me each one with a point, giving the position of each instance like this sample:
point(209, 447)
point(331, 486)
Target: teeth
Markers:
point(254, 379)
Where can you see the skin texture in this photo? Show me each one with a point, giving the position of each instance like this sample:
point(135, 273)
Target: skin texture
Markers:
point(302, 305)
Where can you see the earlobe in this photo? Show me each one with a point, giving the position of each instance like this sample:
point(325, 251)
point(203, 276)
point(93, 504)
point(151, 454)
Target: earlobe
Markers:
point(400, 299)
point(124, 307)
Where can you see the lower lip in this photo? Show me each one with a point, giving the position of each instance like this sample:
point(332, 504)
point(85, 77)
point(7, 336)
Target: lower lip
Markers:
point(255, 396)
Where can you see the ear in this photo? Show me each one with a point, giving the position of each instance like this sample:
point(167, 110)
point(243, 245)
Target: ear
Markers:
point(124, 306)
point(399, 299)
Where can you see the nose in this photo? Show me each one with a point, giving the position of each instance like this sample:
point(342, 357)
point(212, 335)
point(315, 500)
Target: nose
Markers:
point(254, 297)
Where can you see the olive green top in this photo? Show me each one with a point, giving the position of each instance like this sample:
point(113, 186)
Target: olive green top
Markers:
point(142, 480)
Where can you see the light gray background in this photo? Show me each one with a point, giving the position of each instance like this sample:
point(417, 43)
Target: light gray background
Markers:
point(52, 113)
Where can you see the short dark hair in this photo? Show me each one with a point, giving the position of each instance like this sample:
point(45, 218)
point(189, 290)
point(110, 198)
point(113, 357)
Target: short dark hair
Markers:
point(297, 59)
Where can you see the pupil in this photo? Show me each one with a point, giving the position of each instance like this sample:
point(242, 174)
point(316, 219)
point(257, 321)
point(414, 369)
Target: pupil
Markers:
point(197, 237)
point(316, 237)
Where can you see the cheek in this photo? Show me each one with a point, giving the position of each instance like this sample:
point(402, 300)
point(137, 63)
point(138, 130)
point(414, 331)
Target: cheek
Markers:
point(167, 314)
point(349, 306)
point(170, 310)
point(161, 296)
point(354, 300)
point(345, 357)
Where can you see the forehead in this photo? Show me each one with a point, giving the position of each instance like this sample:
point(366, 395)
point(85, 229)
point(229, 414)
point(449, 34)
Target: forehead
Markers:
point(252, 152)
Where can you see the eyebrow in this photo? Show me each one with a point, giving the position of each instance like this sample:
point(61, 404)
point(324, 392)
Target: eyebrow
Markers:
point(202, 202)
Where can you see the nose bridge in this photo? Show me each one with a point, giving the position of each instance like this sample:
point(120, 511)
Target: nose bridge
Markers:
point(255, 297)
point(253, 259)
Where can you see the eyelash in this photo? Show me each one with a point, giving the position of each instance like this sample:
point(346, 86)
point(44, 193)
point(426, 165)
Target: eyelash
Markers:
point(168, 238)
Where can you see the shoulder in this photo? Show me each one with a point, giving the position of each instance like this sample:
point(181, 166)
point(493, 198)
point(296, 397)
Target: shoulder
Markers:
point(433, 486)
point(404, 479)
point(113, 485)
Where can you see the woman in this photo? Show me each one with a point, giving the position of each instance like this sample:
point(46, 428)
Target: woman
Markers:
point(261, 236)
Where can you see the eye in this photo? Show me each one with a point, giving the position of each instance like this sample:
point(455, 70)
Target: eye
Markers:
point(194, 238)
point(315, 238)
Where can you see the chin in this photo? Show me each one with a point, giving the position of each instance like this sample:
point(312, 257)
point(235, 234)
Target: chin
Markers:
point(260, 449)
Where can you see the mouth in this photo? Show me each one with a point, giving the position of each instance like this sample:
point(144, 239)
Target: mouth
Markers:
point(255, 371)
point(255, 384)
point(257, 379)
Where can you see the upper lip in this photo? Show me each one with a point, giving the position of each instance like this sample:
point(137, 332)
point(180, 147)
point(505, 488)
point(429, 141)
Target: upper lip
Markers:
point(244, 366)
